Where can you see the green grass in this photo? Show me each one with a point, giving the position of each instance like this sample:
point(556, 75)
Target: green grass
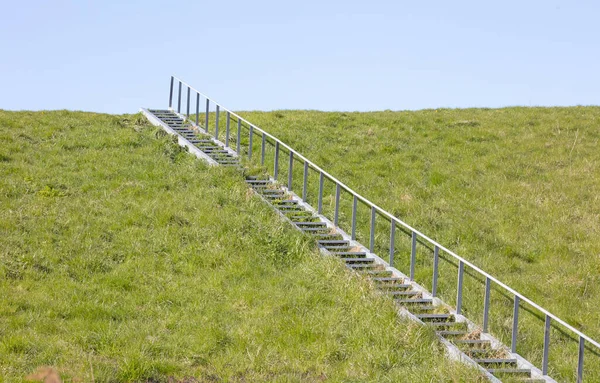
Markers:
point(123, 258)
point(514, 190)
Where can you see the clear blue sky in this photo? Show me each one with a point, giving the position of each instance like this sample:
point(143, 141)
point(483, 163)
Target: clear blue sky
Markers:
point(115, 56)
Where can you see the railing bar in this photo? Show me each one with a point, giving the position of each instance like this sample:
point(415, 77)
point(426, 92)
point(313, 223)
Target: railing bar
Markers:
point(171, 93)
point(276, 165)
point(459, 292)
point(337, 205)
point(580, 360)
point(239, 137)
point(262, 150)
point(413, 255)
point(206, 116)
point(486, 304)
point(436, 258)
point(423, 236)
point(305, 182)
point(188, 103)
point(546, 345)
point(250, 142)
point(290, 169)
point(227, 127)
point(197, 107)
point(515, 328)
point(354, 206)
point(217, 122)
point(179, 100)
point(372, 232)
point(392, 242)
point(320, 204)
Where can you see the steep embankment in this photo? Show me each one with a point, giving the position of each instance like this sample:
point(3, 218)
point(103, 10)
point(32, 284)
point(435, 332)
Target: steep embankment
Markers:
point(515, 190)
point(124, 259)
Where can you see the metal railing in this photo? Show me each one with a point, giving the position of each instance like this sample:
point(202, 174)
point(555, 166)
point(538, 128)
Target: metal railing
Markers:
point(396, 225)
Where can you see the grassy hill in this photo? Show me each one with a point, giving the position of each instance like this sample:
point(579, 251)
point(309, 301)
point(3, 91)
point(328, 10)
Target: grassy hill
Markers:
point(514, 190)
point(123, 258)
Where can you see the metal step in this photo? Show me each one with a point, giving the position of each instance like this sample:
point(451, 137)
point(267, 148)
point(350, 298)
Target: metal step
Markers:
point(496, 361)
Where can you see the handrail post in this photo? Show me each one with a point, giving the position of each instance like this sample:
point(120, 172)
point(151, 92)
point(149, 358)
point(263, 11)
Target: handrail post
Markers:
point(239, 136)
point(171, 93)
point(188, 103)
point(320, 204)
point(206, 117)
point(197, 107)
point(392, 242)
point(515, 329)
point(290, 169)
point(250, 142)
point(337, 204)
point(354, 206)
point(305, 182)
point(276, 165)
point(262, 149)
point(436, 258)
point(372, 232)
point(227, 127)
point(217, 122)
point(179, 100)
point(546, 344)
point(486, 304)
point(461, 269)
point(580, 360)
point(413, 255)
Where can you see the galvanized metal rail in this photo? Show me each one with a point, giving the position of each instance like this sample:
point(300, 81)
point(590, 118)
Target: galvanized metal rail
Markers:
point(397, 225)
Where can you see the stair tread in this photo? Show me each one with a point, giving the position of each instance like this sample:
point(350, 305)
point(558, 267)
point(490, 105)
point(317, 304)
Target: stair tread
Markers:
point(496, 360)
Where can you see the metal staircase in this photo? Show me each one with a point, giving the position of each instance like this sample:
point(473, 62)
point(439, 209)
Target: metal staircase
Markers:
point(464, 339)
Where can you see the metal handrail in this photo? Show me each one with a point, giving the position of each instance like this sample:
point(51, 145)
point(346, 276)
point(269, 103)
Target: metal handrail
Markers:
point(518, 296)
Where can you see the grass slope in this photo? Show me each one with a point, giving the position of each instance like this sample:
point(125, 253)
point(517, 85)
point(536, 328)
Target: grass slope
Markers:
point(515, 190)
point(124, 259)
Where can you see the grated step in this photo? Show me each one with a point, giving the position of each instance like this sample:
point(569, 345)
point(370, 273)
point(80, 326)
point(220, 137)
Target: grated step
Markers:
point(510, 371)
point(344, 254)
point(347, 260)
point(414, 301)
point(496, 361)
point(435, 317)
point(447, 333)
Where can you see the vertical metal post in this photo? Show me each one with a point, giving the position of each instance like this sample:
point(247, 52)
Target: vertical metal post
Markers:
point(337, 204)
point(486, 303)
point(513, 344)
point(250, 143)
point(372, 234)
point(546, 345)
point(188, 103)
point(179, 100)
point(206, 115)
point(197, 107)
point(227, 128)
point(217, 122)
point(290, 169)
point(320, 204)
point(354, 206)
point(461, 269)
point(305, 181)
point(413, 255)
point(171, 93)
point(262, 149)
point(436, 259)
point(392, 242)
point(239, 137)
point(580, 361)
point(276, 166)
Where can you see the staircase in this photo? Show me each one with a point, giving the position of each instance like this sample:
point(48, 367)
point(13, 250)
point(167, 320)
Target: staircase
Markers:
point(464, 340)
